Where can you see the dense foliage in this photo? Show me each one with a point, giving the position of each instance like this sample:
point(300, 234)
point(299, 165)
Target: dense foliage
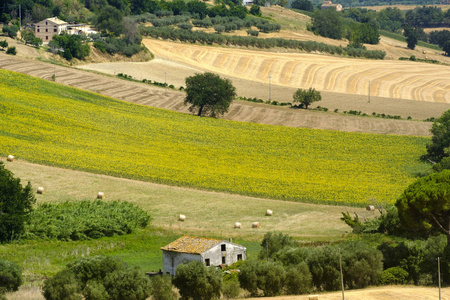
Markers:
point(424, 207)
point(10, 276)
point(208, 94)
point(439, 147)
point(97, 277)
point(195, 281)
point(72, 45)
point(85, 220)
point(305, 98)
point(16, 205)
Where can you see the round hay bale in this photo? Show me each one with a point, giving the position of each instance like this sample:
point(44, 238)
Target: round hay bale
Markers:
point(40, 190)
point(10, 158)
point(237, 225)
point(256, 225)
point(269, 212)
point(370, 207)
point(313, 297)
point(181, 218)
point(101, 195)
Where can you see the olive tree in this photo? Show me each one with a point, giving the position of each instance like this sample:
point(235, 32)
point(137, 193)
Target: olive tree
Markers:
point(306, 97)
point(208, 94)
point(195, 281)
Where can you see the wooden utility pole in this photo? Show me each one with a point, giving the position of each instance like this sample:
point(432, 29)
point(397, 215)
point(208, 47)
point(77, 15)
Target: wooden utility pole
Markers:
point(342, 276)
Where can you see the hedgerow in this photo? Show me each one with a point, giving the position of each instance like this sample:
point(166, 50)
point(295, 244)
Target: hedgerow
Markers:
point(248, 41)
point(84, 220)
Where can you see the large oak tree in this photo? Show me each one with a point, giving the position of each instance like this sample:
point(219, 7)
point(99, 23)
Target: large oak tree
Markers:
point(209, 94)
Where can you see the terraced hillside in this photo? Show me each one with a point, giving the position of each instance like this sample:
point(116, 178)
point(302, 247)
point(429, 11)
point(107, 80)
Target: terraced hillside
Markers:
point(239, 111)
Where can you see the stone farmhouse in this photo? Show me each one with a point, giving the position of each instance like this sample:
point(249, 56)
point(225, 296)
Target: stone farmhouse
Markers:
point(329, 5)
point(211, 252)
point(49, 27)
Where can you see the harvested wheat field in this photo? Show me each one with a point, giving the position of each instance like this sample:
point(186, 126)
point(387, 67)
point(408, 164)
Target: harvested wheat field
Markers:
point(379, 293)
point(391, 79)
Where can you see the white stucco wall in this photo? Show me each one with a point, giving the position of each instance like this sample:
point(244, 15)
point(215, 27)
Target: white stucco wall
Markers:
point(231, 253)
point(172, 259)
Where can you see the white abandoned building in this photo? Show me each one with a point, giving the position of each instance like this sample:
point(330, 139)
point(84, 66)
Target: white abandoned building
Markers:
point(211, 252)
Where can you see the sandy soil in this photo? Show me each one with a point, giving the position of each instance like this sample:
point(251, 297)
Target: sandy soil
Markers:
point(379, 293)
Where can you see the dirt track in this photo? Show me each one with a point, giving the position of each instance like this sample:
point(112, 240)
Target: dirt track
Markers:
point(239, 111)
point(378, 293)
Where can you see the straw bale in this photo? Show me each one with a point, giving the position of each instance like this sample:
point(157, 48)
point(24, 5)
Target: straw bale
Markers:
point(256, 225)
point(10, 158)
point(100, 195)
point(313, 297)
point(269, 212)
point(40, 190)
point(370, 207)
point(181, 218)
point(237, 225)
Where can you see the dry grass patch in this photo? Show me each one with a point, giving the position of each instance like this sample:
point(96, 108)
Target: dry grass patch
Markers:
point(207, 213)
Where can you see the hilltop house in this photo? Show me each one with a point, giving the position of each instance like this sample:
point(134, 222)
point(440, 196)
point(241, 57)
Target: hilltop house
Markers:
point(329, 5)
point(211, 252)
point(47, 28)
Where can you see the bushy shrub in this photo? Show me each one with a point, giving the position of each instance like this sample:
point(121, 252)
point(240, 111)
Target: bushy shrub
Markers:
point(394, 275)
point(95, 291)
point(10, 276)
point(265, 276)
point(11, 50)
point(98, 277)
point(274, 242)
point(185, 26)
point(100, 46)
point(130, 284)
point(298, 279)
point(195, 280)
point(83, 220)
point(161, 287)
point(64, 285)
point(10, 30)
point(231, 289)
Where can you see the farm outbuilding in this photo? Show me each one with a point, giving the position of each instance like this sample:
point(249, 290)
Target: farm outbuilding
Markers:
point(211, 252)
point(330, 5)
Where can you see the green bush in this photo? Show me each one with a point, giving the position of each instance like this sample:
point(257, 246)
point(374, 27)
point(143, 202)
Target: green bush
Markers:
point(86, 219)
point(195, 280)
point(100, 46)
point(10, 30)
point(231, 289)
point(265, 276)
point(394, 275)
point(130, 284)
point(298, 280)
point(64, 285)
point(10, 276)
point(11, 50)
point(98, 277)
point(161, 287)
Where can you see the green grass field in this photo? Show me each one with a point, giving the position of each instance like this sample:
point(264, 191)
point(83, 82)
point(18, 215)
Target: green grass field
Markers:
point(56, 125)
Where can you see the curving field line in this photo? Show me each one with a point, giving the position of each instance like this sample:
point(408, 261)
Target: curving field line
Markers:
point(239, 111)
point(391, 79)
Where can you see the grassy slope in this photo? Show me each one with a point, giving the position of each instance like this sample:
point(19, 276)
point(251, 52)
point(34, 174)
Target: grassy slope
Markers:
point(57, 125)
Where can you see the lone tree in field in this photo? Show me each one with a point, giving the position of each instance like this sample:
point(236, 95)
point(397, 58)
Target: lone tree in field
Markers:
point(16, 204)
point(424, 207)
point(306, 97)
point(209, 94)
